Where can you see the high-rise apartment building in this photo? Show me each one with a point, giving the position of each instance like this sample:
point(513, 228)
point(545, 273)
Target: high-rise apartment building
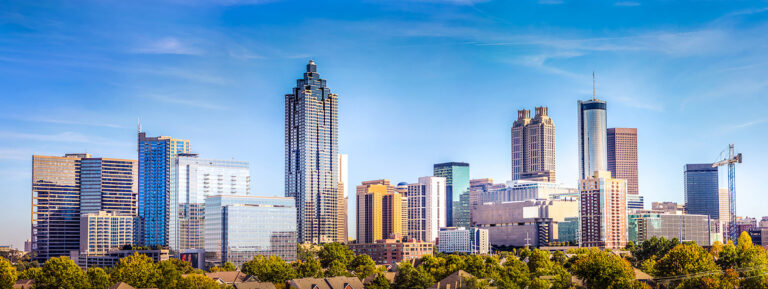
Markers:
point(402, 189)
point(592, 132)
point(603, 211)
point(426, 208)
point(533, 146)
point(457, 192)
point(311, 157)
point(65, 187)
point(379, 211)
point(702, 196)
point(155, 155)
point(238, 228)
point(343, 198)
point(192, 179)
point(622, 156)
point(101, 232)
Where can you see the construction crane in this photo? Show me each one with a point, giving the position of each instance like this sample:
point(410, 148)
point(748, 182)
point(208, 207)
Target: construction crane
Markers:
point(732, 159)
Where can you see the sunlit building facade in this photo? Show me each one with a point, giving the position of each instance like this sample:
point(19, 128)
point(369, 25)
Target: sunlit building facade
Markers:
point(592, 132)
point(456, 175)
point(603, 211)
point(533, 146)
point(426, 208)
point(237, 228)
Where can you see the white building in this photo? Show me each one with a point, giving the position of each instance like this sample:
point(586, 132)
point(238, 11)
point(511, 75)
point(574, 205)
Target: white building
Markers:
point(520, 190)
point(462, 240)
point(426, 208)
point(193, 179)
point(102, 231)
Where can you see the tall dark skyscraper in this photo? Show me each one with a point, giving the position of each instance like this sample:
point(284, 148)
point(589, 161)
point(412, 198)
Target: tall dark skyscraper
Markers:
point(311, 157)
point(622, 156)
point(456, 192)
point(701, 192)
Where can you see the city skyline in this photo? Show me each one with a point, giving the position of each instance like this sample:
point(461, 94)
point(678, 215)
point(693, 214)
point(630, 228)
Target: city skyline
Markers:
point(233, 109)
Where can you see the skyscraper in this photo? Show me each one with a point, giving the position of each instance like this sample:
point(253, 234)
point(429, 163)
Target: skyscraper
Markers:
point(192, 179)
point(702, 196)
point(426, 208)
point(311, 157)
point(379, 211)
point(155, 155)
point(456, 193)
point(533, 146)
point(603, 211)
point(65, 187)
point(622, 156)
point(343, 198)
point(593, 148)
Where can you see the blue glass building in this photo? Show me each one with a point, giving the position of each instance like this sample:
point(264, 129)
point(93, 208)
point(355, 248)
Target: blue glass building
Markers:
point(701, 190)
point(457, 192)
point(155, 155)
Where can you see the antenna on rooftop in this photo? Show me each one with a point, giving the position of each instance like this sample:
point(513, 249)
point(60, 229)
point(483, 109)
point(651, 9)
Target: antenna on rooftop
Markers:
point(138, 124)
point(593, 85)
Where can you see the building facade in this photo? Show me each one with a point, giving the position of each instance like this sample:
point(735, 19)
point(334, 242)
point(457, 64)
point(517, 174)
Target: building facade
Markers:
point(463, 240)
point(101, 232)
point(392, 251)
point(456, 175)
point(603, 211)
point(65, 187)
point(684, 227)
point(237, 228)
point(426, 208)
point(701, 190)
point(635, 202)
point(311, 157)
point(370, 210)
point(155, 155)
point(592, 131)
point(533, 146)
point(343, 201)
point(192, 179)
point(519, 190)
point(527, 223)
point(622, 156)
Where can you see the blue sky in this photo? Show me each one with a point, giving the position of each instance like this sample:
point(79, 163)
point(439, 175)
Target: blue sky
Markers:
point(419, 82)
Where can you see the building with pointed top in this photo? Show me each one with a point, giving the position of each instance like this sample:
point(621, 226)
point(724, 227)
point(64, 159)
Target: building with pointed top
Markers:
point(311, 157)
point(533, 146)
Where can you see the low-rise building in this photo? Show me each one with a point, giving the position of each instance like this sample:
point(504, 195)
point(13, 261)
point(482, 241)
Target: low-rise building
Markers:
point(532, 222)
point(463, 240)
point(103, 231)
point(392, 251)
point(684, 227)
point(759, 236)
point(110, 258)
point(668, 207)
point(520, 191)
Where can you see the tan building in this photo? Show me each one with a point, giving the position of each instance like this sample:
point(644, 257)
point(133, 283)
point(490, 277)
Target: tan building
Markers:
point(102, 231)
point(603, 211)
point(379, 211)
point(668, 207)
point(622, 156)
point(391, 251)
point(532, 222)
point(343, 200)
point(533, 146)
point(724, 204)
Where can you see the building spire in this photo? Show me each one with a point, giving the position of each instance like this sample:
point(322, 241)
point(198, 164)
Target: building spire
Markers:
point(138, 125)
point(593, 86)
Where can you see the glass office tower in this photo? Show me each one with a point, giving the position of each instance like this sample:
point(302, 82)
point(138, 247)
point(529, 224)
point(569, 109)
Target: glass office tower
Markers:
point(593, 146)
point(701, 191)
point(193, 179)
point(155, 154)
point(456, 192)
point(237, 228)
point(311, 157)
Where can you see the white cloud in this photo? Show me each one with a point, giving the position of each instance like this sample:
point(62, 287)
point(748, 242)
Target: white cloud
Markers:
point(167, 45)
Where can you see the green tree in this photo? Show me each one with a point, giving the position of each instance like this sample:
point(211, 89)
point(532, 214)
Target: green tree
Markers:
point(23, 265)
point(455, 263)
point(410, 278)
point(685, 259)
point(559, 257)
point(475, 283)
point(61, 273)
point(539, 262)
point(228, 266)
point(335, 252)
point(653, 247)
point(363, 266)
point(33, 273)
point(537, 283)
point(307, 269)
point(185, 267)
point(269, 269)
point(630, 246)
point(171, 276)
point(727, 257)
point(513, 275)
point(198, 281)
point(434, 266)
point(628, 284)
point(137, 270)
point(599, 269)
point(561, 279)
point(336, 268)
point(98, 278)
point(7, 274)
point(475, 265)
point(380, 282)
point(648, 265)
point(715, 249)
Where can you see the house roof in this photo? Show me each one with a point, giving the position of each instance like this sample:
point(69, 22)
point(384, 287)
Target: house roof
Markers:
point(389, 275)
point(228, 277)
point(24, 284)
point(121, 285)
point(254, 285)
point(455, 280)
point(327, 283)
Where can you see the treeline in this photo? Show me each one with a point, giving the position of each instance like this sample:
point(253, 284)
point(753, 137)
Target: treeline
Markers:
point(672, 264)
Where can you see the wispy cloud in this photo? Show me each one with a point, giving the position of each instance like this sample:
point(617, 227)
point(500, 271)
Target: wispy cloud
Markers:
point(63, 121)
point(749, 123)
point(541, 62)
point(167, 45)
point(66, 137)
point(240, 52)
point(626, 4)
point(185, 101)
